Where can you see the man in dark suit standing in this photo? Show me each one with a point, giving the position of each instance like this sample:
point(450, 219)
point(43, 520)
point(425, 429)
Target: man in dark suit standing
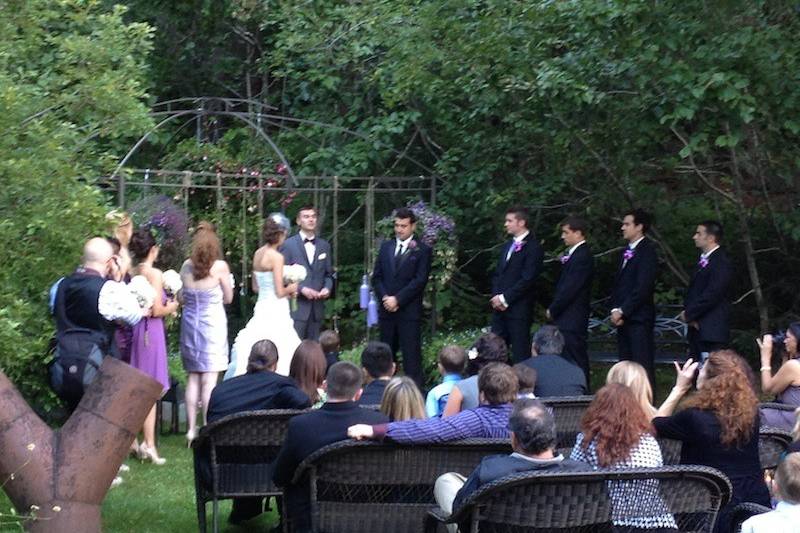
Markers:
point(513, 284)
point(309, 432)
point(314, 253)
point(259, 388)
point(399, 278)
point(633, 311)
point(707, 306)
point(571, 301)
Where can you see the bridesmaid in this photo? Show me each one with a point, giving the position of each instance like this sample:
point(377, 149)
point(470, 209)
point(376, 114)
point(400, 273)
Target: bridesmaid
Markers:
point(149, 341)
point(207, 285)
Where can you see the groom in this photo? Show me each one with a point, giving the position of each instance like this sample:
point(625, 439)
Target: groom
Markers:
point(314, 253)
point(399, 278)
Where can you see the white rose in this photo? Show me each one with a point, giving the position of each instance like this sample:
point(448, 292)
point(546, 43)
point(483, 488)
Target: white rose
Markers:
point(144, 292)
point(172, 282)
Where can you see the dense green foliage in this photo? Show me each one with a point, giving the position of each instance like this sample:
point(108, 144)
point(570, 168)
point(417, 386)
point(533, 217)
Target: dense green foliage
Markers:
point(70, 97)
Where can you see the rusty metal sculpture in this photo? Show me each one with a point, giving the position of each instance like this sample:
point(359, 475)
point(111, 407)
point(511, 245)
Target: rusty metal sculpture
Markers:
point(65, 474)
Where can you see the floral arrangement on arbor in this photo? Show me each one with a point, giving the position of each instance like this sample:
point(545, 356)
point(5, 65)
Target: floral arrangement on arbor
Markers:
point(437, 230)
point(169, 225)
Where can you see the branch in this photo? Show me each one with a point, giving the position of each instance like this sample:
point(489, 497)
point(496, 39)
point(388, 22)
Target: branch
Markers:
point(700, 173)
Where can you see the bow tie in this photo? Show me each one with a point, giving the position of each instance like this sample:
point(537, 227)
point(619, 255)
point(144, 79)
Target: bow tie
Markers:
point(311, 240)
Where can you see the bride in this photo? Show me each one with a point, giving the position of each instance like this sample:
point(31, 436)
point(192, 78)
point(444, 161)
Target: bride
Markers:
point(271, 319)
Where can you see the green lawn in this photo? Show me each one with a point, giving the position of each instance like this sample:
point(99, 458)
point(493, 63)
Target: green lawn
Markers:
point(159, 498)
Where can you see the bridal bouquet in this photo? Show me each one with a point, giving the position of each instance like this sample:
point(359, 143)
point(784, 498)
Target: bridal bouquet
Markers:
point(172, 283)
point(144, 292)
point(294, 274)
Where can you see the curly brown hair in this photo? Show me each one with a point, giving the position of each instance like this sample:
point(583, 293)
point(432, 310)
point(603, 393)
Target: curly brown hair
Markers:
point(205, 250)
point(271, 234)
point(726, 391)
point(615, 421)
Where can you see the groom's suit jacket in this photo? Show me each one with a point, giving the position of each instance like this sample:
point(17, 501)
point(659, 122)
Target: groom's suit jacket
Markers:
point(514, 278)
point(707, 300)
point(572, 298)
point(635, 283)
point(319, 274)
point(404, 278)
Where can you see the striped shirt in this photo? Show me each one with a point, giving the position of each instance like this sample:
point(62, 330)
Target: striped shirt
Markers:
point(484, 421)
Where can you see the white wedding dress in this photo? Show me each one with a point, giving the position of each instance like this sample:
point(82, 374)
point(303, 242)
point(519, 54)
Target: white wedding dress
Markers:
point(271, 320)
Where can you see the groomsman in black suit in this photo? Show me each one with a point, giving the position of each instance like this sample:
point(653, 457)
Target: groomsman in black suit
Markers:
point(314, 253)
point(707, 306)
point(571, 301)
point(633, 311)
point(399, 278)
point(513, 284)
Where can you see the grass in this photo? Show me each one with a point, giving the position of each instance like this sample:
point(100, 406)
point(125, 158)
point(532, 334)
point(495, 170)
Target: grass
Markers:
point(155, 499)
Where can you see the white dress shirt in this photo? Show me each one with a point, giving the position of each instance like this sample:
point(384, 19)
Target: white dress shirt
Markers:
point(573, 248)
point(784, 519)
point(310, 247)
point(402, 246)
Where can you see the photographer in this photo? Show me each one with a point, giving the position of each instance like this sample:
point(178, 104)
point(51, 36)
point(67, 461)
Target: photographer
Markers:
point(785, 384)
point(718, 425)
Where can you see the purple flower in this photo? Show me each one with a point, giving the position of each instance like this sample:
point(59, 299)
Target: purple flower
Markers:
point(703, 262)
point(518, 246)
point(564, 258)
point(412, 245)
point(628, 255)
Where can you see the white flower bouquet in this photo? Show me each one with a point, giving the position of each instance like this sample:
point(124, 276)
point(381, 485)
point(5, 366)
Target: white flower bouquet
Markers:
point(144, 292)
point(172, 283)
point(294, 274)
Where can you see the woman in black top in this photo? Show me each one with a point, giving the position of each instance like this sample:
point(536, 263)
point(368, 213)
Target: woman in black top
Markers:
point(718, 426)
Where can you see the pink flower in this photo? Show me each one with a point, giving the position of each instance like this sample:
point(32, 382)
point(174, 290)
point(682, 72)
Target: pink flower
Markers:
point(628, 255)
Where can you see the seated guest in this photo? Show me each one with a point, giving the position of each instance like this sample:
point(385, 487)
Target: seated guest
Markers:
point(378, 364)
point(452, 359)
point(616, 433)
point(555, 375)
point(402, 400)
point(634, 376)
point(308, 369)
point(785, 384)
point(309, 432)
point(786, 516)
point(498, 388)
point(533, 439)
point(489, 348)
point(329, 340)
point(259, 388)
point(718, 426)
point(527, 381)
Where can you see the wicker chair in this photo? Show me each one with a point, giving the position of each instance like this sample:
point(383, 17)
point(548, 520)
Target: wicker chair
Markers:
point(232, 458)
point(368, 486)
point(743, 511)
point(772, 444)
point(542, 501)
point(568, 412)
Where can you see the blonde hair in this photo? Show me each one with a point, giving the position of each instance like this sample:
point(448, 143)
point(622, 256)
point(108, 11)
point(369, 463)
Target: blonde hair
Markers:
point(402, 400)
point(634, 376)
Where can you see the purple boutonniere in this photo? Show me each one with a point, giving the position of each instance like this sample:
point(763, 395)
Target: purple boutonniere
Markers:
point(628, 255)
point(703, 262)
point(564, 258)
point(412, 245)
point(517, 246)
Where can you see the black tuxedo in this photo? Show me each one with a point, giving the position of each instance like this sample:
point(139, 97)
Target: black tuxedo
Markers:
point(571, 305)
point(403, 277)
point(254, 391)
point(633, 290)
point(514, 279)
point(319, 275)
point(707, 302)
point(250, 392)
point(306, 434)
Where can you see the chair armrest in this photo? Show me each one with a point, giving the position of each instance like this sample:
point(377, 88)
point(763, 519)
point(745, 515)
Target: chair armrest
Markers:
point(436, 515)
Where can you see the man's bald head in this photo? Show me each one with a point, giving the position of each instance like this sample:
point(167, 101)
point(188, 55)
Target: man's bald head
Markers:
point(96, 252)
